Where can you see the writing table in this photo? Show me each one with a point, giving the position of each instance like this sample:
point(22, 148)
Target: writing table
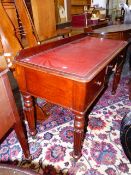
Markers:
point(71, 72)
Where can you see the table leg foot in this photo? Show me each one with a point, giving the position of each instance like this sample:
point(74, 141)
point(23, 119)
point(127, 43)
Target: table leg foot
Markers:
point(78, 135)
point(33, 134)
point(76, 157)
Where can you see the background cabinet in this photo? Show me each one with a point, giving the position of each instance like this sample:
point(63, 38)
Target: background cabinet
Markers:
point(66, 5)
point(44, 18)
point(77, 6)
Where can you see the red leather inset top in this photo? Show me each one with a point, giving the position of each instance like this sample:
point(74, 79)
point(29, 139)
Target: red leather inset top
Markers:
point(78, 57)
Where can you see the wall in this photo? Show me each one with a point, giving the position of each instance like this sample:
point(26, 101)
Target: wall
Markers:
point(44, 18)
point(101, 3)
point(114, 9)
point(129, 2)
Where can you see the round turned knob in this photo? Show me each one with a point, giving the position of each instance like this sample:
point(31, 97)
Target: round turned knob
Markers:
point(110, 66)
point(122, 56)
point(98, 83)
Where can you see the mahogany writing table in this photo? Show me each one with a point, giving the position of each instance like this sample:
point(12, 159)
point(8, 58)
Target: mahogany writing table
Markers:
point(71, 72)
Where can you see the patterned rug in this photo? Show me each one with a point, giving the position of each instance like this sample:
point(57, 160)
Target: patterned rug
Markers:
point(102, 153)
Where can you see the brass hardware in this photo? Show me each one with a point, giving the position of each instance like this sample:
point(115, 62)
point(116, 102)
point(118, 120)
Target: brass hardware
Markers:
point(98, 83)
point(112, 67)
point(122, 56)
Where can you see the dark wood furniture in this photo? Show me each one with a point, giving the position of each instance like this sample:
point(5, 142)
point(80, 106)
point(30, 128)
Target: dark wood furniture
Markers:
point(121, 31)
point(101, 23)
point(9, 117)
point(77, 6)
point(71, 72)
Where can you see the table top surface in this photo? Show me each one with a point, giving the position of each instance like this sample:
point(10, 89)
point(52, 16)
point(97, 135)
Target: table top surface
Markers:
point(78, 58)
point(113, 28)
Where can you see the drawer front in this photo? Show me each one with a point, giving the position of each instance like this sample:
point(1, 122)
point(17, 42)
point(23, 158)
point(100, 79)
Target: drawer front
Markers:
point(115, 63)
point(95, 87)
point(53, 88)
point(120, 58)
point(111, 67)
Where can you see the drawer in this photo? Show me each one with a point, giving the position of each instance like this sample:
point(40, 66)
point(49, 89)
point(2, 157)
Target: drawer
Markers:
point(95, 86)
point(120, 59)
point(117, 61)
point(111, 66)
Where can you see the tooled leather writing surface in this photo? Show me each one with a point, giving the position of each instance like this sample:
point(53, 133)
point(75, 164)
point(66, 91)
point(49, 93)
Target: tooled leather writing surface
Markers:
point(78, 57)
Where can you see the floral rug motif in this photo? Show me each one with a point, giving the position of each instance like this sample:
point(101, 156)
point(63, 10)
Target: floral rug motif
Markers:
point(102, 153)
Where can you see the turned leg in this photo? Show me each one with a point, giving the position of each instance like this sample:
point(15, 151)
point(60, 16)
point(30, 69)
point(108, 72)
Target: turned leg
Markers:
point(116, 78)
point(29, 112)
point(79, 123)
point(22, 137)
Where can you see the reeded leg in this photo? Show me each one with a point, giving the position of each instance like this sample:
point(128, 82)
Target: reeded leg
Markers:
point(22, 138)
point(116, 79)
point(79, 123)
point(29, 111)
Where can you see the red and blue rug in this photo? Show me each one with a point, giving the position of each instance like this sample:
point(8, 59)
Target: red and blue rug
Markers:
point(102, 153)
